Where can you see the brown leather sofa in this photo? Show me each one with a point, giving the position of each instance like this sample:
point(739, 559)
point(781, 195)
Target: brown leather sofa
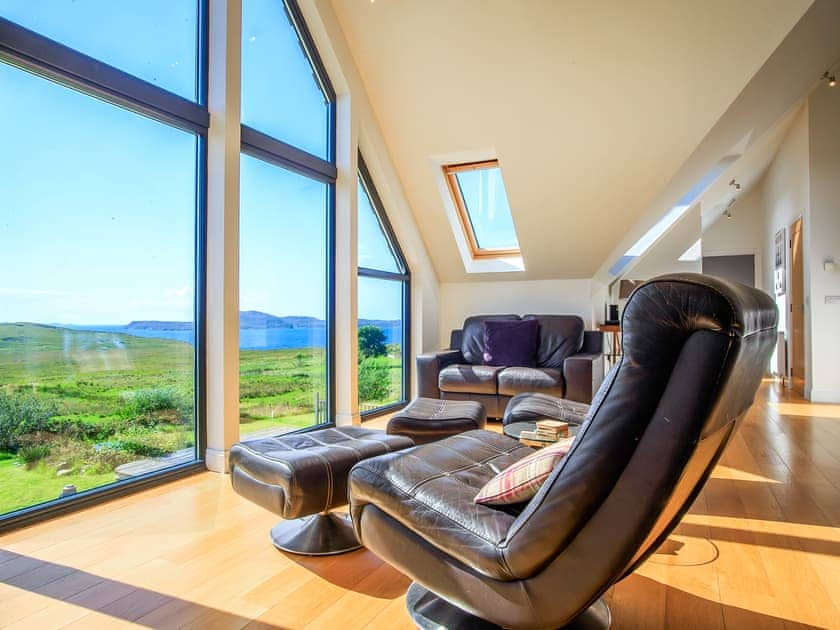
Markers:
point(695, 350)
point(570, 364)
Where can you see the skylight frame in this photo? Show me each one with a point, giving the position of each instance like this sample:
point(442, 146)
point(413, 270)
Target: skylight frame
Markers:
point(450, 173)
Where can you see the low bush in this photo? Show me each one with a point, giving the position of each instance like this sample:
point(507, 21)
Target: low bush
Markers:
point(148, 442)
point(33, 452)
point(374, 379)
point(88, 427)
point(106, 458)
point(143, 405)
point(20, 415)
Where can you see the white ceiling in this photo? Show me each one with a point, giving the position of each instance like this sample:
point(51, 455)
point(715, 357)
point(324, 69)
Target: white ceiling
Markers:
point(591, 107)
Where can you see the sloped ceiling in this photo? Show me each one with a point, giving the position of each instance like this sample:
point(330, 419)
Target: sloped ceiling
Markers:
point(591, 107)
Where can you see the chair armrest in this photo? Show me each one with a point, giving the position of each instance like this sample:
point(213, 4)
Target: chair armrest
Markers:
point(429, 366)
point(584, 373)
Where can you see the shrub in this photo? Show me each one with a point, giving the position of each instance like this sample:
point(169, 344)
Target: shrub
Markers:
point(87, 427)
point(33, 452)
point(371, 342)
point(374, 380)
point(142, 404)
point(21, 414)
point(148, 442)
point(107, 458)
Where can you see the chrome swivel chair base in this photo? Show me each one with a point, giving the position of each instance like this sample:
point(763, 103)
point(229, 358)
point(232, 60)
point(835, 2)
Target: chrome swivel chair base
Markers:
point(431, 612)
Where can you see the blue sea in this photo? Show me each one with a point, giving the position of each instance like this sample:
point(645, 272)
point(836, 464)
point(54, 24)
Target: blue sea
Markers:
point(249, 338)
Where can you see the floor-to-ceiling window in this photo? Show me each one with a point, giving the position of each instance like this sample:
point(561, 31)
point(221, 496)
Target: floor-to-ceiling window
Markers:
point(383, 296)
point(286, 219)
point(102, 127)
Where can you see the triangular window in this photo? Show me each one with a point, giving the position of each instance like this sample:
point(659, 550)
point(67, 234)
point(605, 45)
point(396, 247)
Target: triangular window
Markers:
point(375, 248)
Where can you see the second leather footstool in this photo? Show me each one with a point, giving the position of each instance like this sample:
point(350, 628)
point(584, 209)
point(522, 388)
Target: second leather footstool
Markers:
point(302, 477)
point(426, 420)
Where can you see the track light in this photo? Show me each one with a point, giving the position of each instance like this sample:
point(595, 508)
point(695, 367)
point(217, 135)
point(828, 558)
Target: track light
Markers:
point(830, 79)
point(735, 184)
point(728, 212)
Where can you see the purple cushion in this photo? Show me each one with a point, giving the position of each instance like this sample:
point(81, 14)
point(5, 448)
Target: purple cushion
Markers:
point(511, 343)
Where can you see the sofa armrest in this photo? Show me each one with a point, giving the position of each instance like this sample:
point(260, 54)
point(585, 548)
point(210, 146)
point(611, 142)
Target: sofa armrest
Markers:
point(593, 342)
point(584, 373)
point(429, 366)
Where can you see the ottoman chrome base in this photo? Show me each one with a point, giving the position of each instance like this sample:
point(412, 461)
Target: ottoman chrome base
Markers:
point(316, 535)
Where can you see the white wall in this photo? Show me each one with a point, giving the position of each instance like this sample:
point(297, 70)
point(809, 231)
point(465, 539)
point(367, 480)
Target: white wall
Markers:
point(785, 193)
point(824, 154)
point(459, 300)
point(741, 234)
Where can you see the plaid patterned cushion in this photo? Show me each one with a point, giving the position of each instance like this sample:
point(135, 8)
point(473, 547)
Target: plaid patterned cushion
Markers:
point(521, 480)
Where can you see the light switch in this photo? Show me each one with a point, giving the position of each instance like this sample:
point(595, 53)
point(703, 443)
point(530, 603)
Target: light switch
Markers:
point(832, 299)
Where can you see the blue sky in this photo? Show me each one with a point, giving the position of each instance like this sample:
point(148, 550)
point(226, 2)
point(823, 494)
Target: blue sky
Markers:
point(97, 203)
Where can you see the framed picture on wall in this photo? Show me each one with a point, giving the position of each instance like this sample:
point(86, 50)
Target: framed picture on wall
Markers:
point(779, 273)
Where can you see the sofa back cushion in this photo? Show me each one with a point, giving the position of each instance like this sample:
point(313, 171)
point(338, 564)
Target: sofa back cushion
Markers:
point(511, 343)
point(472, 338)
point(560, 336)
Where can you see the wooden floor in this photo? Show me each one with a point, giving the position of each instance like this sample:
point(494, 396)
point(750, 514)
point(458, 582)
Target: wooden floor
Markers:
point(760, 549)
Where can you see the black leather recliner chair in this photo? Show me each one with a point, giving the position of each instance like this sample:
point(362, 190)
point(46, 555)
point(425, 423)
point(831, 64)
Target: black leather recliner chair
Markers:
point(695, 350)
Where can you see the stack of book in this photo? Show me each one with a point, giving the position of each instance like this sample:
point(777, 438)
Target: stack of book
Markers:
point(545, 431)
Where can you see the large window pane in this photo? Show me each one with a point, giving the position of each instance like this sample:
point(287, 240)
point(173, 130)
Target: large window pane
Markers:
point(155, 40)
point(97, 223)
point(283, 289)
point(380, 342)
point(280, 94)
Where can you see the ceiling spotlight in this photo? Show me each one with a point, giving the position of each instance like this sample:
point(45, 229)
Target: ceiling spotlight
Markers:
point(830, 79)
point(727, 213)
point(732, 182)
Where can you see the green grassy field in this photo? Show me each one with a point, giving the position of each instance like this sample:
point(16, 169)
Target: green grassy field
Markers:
point(113, 398)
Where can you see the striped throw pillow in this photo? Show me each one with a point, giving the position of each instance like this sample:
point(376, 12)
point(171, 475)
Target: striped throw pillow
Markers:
point(521, 480)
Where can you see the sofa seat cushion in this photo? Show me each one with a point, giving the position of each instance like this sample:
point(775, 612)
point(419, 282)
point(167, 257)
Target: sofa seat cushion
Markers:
point(469, 379)
point(518, 380)
point(430, 490)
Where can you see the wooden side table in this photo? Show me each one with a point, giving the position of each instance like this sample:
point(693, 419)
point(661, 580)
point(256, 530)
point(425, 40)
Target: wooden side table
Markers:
point(614, 331)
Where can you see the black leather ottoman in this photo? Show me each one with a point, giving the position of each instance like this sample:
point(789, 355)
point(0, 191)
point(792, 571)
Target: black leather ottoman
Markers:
point(302, 477)
point(429, 419)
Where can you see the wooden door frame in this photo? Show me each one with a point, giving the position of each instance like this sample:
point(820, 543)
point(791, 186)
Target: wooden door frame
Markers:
point(800, 218)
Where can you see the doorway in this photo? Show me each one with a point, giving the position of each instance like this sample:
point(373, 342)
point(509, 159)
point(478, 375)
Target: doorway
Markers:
point(796, 323)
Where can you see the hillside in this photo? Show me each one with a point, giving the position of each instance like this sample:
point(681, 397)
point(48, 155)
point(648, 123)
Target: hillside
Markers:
point(258, 319)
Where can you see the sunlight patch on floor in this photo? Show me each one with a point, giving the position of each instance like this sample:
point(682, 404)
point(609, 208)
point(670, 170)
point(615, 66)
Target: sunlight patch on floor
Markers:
point(736, 474)
point(779, 528)
point(806, 410)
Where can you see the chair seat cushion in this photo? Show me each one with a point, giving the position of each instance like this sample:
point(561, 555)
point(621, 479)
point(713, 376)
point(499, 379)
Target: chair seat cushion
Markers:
point(304, 473)
point(430, 490)
point(469, 379)
point(519, 380)
point(428, 419)
point(520, 481)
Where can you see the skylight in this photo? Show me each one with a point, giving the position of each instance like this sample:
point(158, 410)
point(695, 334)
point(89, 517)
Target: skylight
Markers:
point(672, 216)
point(478, 193)
point(693, 253)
